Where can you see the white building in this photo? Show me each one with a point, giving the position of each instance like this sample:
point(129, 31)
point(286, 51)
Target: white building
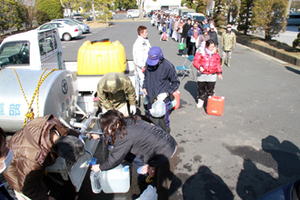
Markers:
point(161, 4)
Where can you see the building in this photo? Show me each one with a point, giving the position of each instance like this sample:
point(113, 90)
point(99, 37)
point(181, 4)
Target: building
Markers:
point(161, 5)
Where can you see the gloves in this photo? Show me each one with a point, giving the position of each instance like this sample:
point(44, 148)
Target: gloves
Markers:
point(162, 96)
point(132, 109)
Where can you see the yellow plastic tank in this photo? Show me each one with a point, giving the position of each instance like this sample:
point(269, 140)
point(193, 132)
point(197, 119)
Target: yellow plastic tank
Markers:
point(101, 57)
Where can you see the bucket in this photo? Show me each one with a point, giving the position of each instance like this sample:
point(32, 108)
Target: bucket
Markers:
point(116, 180)
point(215, 105)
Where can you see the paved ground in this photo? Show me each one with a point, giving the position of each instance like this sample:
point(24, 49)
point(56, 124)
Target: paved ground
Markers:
point(252, 148)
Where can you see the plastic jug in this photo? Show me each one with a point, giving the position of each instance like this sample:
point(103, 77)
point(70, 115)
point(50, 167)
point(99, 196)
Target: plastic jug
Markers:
point(95, 177)
point(116, 180)
point(215, 105)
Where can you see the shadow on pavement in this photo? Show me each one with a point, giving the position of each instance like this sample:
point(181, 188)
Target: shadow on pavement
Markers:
point(296, 71)
point(191, 87)
point(282, 157)
point(206, 185)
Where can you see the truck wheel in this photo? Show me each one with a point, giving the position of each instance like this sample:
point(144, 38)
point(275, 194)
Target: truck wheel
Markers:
point(67, 37)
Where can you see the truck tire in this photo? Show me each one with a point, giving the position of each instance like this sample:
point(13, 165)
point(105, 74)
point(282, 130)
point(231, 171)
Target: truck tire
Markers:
point(67, 37)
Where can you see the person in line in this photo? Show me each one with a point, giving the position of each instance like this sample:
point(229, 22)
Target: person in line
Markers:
point(35, 147)
point(205, 24)
point(112, 90)
point(153, 145)
point(201, 42)
point(6, 156)
point(179, 31)
point(160, 82)
point(193, 33)
point(213, 34)
point(140, 50)
point(208, 67)
point(164, 35)
point(186, 39)
point(228, 41)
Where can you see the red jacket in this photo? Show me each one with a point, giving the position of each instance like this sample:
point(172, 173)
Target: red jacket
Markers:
point(211, 64)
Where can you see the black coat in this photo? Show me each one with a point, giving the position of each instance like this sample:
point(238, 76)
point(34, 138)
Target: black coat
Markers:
point(213, 35)
point(185, 30)
point(153, 145)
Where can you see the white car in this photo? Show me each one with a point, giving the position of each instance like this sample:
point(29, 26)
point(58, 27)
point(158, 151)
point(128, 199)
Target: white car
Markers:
point(85, 28)
point(67, 29)
point(133, 13)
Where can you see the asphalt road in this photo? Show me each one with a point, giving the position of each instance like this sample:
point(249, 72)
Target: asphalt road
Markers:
point(249, 150)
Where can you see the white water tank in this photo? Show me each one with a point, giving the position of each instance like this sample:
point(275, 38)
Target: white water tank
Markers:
point(57, 95)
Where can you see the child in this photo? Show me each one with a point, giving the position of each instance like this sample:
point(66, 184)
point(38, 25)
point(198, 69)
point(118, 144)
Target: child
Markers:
point(164, 35)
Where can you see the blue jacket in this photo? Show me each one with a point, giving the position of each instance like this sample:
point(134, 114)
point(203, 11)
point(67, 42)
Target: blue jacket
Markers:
point(159, 79)
point(190, 33)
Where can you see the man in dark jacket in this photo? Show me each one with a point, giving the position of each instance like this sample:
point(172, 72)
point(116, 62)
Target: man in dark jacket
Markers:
point(186, 27)
point(213, 34)
point(35, 147)
point(160, 82)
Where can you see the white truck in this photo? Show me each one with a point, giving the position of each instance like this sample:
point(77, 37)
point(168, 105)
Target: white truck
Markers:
point(36, 82)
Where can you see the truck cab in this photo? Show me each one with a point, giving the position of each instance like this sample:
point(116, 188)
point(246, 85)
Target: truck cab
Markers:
point(18, 50)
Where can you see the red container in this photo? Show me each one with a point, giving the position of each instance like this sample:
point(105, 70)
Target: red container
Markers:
point(176, 95)
point(215, 105)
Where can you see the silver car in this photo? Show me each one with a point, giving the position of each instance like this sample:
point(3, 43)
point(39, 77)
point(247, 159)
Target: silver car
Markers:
point(85, 28)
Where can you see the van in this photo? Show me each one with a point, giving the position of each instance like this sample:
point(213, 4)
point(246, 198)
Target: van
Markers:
point(293, 19)
point(185, 11)
point(196, 16)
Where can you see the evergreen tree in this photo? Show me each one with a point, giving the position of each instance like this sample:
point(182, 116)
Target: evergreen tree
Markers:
point(201, 7)
point(269, 17)
point(233, 9)
point(219, 12)
point(125, 4)
point(245, 15)
point(53, 8)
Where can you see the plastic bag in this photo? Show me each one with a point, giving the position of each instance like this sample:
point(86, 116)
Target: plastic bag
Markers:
point(148, 194)
point(158, 108)
point(181, 46)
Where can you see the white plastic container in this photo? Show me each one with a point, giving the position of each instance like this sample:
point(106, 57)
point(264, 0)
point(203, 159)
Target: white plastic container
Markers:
point(116, 180)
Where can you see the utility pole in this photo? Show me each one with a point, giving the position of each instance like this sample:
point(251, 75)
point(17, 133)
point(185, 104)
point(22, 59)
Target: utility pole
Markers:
point(288, 6)
point(93, 7)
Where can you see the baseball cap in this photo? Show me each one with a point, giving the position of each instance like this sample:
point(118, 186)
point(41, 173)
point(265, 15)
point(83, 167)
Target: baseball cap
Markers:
point(154, 54)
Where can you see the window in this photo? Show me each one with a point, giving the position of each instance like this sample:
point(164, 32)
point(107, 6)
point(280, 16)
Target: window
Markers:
point(47, 45)
point(14, 53)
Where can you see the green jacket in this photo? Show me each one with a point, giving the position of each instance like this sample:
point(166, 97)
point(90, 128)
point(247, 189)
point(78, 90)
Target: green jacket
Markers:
point(228, 40)
point(112, 91)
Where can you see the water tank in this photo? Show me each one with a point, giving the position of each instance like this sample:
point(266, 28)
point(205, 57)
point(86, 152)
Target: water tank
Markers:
point(57, 95)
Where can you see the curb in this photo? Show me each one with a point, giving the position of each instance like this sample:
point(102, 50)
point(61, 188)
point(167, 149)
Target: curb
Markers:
point(269, 51)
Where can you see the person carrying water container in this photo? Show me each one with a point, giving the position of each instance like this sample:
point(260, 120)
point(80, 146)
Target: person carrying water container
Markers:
point(154, 146)
point(160, 83)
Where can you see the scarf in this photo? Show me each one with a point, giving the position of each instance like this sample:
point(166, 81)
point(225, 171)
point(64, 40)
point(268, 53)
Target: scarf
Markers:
point(210, 53)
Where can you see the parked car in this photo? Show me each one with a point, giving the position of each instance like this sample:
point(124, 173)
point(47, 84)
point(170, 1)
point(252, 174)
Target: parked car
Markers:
point(66, 29)
point(112, 14)
point(195, 16)
point(78, 17)
point(293, 19)
point(133, 13)
point(85, 28)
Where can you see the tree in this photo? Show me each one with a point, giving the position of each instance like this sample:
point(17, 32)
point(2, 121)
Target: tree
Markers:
point(245, 15)
point(201, 7)
point(125, 4)
point(233, 10)
point(219, 12)
point(42, 17)
point(53, 8)
point(269, 17)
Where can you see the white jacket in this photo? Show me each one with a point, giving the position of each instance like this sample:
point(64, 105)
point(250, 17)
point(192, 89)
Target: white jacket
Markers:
point(140, 51)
